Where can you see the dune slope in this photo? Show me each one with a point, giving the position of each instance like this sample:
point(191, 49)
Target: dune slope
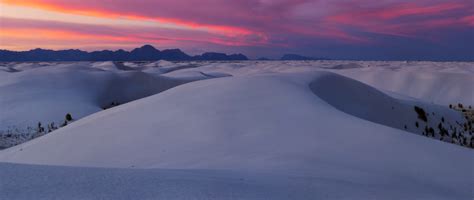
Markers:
point(255, 134)
point(272, 122)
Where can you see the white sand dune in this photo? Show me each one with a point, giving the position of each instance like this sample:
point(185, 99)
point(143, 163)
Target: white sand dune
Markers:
point(267, 131)
point(47, 94)
point(443, 86)
point(52, 182)
point(368, 103)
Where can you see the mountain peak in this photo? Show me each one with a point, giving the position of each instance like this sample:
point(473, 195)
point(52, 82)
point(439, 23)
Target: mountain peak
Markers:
point(146, 48)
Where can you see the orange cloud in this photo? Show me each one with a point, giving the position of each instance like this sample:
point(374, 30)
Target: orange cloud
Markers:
point(228, 31)
point(45, 34)
point(40, 33)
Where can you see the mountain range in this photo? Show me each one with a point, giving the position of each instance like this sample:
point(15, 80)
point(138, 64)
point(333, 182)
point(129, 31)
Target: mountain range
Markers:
point(144, 53)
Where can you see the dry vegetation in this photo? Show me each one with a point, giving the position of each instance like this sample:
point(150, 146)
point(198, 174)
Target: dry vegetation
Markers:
point(460, 133)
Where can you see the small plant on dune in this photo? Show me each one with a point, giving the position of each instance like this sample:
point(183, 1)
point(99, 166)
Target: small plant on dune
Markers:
point(112, 104)
point(68, 117)
point(431, 130)
point(64, 123)
point(421, 114)
point(52, 127)
point(40, 128)
point(454, 138)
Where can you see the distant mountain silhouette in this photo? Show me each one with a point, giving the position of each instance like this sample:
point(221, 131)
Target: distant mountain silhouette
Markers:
point(299, 57)
point(174, 54)
point(144, 53)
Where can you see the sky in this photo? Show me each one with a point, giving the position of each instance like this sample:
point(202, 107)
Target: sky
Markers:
point(338, 29)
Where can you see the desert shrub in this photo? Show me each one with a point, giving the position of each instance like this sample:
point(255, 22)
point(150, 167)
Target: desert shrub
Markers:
point(53, 127)
point(421, 114)
point(40, 128)
point(454, 135)
point(431, 130)
point(68, 117)
point(64, 123)
point(111, 105)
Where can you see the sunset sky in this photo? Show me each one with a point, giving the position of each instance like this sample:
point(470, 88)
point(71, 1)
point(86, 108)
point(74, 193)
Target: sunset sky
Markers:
point(354, 29)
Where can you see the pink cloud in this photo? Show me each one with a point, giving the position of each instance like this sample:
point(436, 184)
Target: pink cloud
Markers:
point(404, 20)
point(468, 20)
point(260, 23)
point(112, 35)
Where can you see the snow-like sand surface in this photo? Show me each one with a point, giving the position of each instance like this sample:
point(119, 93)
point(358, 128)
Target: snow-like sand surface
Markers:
point(46, 94)
point(46, 182)
point(264, 130)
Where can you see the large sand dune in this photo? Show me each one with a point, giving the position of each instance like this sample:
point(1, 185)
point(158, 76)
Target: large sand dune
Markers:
point(272, 129)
